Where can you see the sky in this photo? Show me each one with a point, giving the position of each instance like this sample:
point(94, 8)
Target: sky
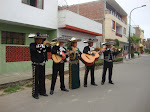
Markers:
point(139, 17)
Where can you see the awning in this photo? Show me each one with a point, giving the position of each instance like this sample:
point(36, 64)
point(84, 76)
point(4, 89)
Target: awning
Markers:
point(69, 27)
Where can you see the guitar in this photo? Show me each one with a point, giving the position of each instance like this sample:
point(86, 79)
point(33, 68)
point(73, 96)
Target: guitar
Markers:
point(57, 58)
point(89, 59)
point(96, 55)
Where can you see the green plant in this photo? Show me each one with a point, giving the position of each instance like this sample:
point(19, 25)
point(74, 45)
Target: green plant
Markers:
point(28, 85)
point(13, 89)
point(135, 39)
point(132, 54)
point(117, 59)
point(117, 42)
point(147, 50)
point(99, 62)
point(137, 52)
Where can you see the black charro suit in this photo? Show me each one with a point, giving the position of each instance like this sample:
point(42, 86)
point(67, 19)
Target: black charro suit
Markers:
point(38, 58)
point(58, 67)
point(108, 64)
point(87, 50)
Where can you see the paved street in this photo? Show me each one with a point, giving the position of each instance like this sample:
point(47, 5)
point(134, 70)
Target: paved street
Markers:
point(131, 93)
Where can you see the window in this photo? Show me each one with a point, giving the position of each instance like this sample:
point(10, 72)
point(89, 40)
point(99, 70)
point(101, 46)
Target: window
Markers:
point(13, 38)
point(113, 25)
point(34, 3)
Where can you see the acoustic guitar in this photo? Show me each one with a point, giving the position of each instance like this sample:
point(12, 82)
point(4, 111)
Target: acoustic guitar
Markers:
point(57, 58)
point(95, 55)
point(87, 59)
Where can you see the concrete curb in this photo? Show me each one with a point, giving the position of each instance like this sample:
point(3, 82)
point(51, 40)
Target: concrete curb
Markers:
point(25, 81)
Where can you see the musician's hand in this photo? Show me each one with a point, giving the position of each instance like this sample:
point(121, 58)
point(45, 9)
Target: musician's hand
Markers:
point(113, 48)
point(46, 42)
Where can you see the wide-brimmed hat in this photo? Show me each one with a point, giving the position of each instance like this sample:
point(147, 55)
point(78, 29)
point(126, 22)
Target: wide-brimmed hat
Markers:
point(38, 35)
point(60, 39)
point(91, 40)
point(109, 43)
point(73, 39)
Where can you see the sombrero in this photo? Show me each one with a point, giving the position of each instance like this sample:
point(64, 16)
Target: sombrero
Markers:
point(60, 39)
point(38, 35)
point(91, 40)
point(109, 43)
point(73, 39)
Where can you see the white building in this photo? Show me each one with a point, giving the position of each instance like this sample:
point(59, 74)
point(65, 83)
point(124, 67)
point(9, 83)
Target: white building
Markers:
point(71, 24)
point(18, 18)
point(42, 14)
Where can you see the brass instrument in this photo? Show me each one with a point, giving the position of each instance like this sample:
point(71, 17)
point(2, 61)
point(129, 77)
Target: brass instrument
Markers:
point(50, 43)
point(53, 43)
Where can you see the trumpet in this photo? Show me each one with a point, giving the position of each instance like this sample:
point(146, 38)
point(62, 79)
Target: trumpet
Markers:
point(53, 43)
point(49, 43)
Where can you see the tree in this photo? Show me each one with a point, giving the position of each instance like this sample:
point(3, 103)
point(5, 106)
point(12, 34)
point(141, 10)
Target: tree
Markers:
point(117, 42)
point(117, 45)
point(135, 39)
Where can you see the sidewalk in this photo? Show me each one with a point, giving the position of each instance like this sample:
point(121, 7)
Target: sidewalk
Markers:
point(25, 75)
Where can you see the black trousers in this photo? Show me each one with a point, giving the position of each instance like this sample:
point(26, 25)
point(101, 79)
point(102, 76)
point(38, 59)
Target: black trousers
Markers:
point(58, 68)
point(87, 69)
point(104, 74)
point(38, 85)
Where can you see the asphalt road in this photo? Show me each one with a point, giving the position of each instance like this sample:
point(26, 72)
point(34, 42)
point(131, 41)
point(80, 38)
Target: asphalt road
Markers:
point(131, 93)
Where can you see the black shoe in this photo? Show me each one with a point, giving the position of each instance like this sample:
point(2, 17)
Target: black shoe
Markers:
point(102, 83)
point(64, 89)
point(94, 84)
point(36, 97)
point(44, 94)
point(111, 83)
point(51, 92)
point(85, 85)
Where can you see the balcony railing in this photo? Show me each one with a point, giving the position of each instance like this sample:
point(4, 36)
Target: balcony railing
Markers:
point(114, 14)
point(117, 34)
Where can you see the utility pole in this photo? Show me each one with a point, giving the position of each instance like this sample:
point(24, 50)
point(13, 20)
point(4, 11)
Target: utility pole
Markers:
point(104, 13)
point(130, 29)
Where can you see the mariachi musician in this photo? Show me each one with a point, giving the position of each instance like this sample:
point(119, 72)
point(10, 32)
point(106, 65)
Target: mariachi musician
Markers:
point(74, 68)
point(58, 67)
point(38, 51)
point(91, 68)
point(108, 61)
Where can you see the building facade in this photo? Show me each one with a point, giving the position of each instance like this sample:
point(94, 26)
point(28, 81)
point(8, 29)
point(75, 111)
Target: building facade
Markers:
point(140, 34)
point(18, 19)
point(110, 14)
point(148, 43)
